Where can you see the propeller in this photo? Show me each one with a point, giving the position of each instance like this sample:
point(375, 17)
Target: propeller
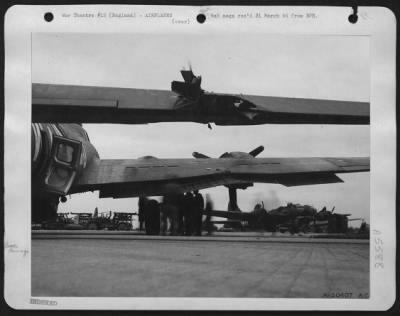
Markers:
point(191, 85)
point(255, 152)
point(188, 76)
point(234, 154)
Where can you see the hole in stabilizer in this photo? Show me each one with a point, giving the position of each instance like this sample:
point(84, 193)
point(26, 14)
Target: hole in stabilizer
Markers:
point(353, 17)
point(48, 16)
point(201, 18)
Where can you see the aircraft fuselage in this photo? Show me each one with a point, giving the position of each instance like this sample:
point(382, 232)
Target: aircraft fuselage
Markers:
point(60, 154)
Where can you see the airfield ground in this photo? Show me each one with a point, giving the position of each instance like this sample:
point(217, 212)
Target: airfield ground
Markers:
point(126, 265)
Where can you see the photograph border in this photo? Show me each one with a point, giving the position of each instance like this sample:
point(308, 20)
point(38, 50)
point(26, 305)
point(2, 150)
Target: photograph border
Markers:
point(379, 25)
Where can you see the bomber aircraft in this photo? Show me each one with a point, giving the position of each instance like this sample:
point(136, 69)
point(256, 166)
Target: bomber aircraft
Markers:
point(185, 101)
point(299, 218)
point(64, 162)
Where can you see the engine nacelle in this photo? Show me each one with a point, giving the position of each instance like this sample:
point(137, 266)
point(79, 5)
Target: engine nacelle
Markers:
point(56, 158)
point(236, 154)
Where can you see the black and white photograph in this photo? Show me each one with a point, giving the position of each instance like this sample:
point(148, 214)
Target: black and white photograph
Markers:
point(202, 165)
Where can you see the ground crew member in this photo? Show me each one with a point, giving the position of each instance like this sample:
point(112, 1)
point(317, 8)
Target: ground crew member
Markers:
point(163, 216)
point(198, 212)
point(209, 207)
point(181, 211)
point(169, 213)
point(141, 210)
point(152, 217)
point(188, 213)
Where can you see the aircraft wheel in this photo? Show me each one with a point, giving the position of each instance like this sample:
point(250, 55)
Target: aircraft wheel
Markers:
point(92, 226)
point(44, 208)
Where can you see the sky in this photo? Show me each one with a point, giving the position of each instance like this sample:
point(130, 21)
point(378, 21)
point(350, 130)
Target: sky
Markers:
point(300, 66)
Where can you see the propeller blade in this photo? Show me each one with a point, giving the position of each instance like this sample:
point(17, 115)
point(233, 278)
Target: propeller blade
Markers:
point(197, 155)
point(255, 152)
point(187, 75)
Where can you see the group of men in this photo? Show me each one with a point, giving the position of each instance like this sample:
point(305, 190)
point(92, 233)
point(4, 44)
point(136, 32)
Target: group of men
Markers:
point(179, 214)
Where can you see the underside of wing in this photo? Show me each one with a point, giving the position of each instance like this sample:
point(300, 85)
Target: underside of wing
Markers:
point(282, 110)
point(153, 177)
point(87, 104)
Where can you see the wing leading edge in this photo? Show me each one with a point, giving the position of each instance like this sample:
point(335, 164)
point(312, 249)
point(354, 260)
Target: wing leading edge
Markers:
point(152, 177)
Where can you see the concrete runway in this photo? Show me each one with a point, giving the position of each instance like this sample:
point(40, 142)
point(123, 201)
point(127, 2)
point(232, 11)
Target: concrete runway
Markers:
point(196, 267)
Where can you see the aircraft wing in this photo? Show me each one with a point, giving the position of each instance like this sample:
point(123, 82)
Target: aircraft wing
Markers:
point(282, 110)
point(153, 177)
point(87, 104)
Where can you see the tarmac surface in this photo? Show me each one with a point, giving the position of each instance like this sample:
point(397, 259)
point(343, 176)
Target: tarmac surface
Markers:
point(219, 266)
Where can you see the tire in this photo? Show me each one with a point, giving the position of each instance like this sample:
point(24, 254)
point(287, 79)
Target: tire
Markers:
point(92, 226)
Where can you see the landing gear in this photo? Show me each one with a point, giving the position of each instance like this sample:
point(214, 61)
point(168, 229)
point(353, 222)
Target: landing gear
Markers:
point(233, 206)
point(44, 208)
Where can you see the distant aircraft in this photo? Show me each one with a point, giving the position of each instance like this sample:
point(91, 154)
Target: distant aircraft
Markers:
point(64, 161)
point(186, 102)
point(294, 217)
